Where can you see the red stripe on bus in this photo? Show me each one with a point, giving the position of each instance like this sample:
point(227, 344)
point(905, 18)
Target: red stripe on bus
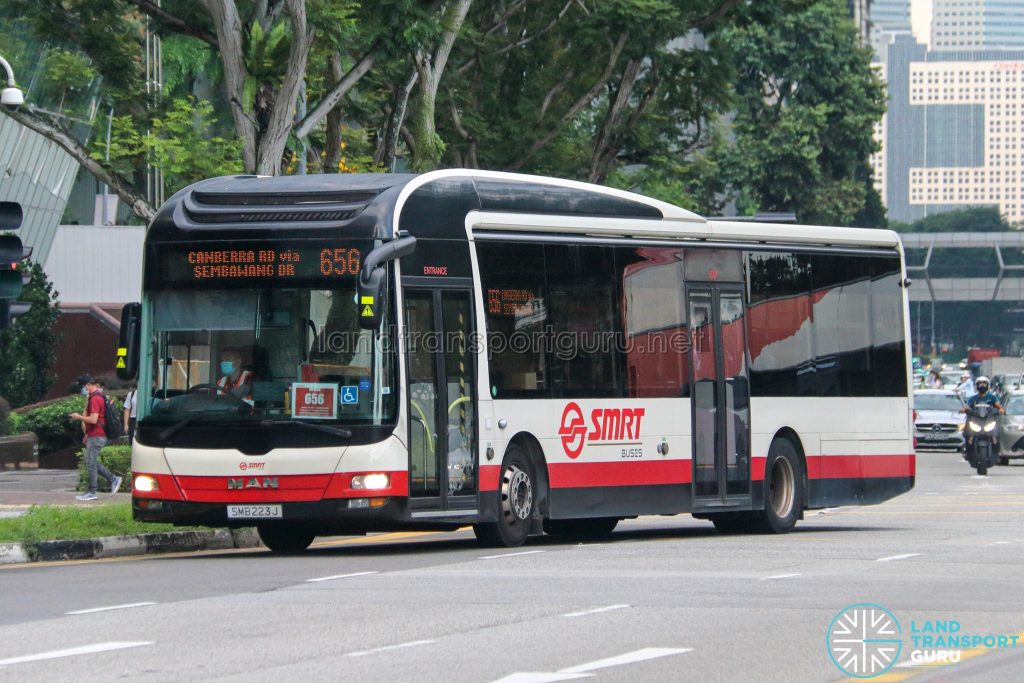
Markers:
point(583, 474)
point(860, 466)
point(288, 489)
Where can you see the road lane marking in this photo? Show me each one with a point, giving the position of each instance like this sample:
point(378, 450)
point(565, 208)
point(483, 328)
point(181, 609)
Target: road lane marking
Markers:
point(629, 658)
point(540, 677)
point(778, 576)
point(75, 651)
point(584, 670)
point(112, 607)
point(386, 648)
point(378, 538)
point(999, 543)
point(597, 610)
point(897, 557)
point(498, 557)
point(339, 576)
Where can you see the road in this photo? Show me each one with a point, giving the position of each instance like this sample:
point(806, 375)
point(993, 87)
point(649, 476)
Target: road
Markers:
point(665, 599)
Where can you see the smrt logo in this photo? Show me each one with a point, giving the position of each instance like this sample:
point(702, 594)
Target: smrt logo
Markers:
point(607, 424)
point(251, 465)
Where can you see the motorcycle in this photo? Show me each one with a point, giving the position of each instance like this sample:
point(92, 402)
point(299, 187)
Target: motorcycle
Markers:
point(981, 437)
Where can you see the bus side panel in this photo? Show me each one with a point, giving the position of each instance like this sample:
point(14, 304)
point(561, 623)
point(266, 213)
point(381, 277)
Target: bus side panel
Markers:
point(605, 457)
point(846, 464)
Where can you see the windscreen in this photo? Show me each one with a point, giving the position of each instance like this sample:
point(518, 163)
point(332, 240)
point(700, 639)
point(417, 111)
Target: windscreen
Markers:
point(287, 354)
point(947, 402)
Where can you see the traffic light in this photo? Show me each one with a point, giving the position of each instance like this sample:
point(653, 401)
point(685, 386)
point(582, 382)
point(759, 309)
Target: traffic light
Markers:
point(11, 252)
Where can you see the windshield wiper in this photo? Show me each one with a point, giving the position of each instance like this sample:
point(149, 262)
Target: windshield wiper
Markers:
point(337, 431)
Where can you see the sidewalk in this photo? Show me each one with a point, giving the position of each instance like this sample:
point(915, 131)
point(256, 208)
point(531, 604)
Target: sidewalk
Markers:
point(21, 489)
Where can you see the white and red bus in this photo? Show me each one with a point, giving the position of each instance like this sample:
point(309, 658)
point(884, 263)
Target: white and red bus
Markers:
point(338, 354)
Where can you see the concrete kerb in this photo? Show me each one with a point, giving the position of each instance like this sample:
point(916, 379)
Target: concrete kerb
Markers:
point(125, 546)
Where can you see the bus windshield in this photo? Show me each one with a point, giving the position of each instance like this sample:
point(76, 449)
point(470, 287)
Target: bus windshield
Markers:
point(265, 354)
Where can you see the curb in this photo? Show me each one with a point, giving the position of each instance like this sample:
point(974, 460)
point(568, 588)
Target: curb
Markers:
point(126, 546)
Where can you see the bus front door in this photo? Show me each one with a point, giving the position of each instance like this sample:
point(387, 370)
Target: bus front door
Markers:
point(440, 401)
point(720, 398)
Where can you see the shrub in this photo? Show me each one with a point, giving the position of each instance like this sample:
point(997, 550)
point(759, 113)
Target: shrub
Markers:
point(14, 424)
point(53, 426)
point(116, 458)
point(5, 417)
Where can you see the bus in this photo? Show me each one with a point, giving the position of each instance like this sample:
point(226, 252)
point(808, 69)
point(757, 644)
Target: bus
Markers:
point(343, 354)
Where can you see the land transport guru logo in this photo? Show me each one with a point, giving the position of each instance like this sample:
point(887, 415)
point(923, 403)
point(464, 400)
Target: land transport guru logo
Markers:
point(864, 640)
point(610, 425)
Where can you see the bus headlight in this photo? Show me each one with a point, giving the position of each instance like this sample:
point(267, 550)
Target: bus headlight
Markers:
point(371, 481)
point(146, 483)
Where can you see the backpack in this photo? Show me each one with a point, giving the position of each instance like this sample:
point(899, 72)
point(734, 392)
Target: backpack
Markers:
point(112, 425)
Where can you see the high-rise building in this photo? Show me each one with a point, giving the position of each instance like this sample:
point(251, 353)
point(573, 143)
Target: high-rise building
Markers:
point(977, 24)
point(953, 136)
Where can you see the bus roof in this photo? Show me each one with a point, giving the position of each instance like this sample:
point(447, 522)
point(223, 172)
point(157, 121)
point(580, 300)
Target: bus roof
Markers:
point(436, 204)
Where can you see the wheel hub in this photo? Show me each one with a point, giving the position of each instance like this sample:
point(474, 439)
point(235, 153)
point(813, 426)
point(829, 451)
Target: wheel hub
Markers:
point(782, 487)
point(516, 494)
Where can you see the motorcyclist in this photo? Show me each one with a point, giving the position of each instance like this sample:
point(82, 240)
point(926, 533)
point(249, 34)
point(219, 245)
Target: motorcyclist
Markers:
point(983, 396)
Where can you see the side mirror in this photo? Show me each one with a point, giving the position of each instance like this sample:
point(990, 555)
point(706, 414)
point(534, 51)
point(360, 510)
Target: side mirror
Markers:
point(128, 342)
point(371, 279)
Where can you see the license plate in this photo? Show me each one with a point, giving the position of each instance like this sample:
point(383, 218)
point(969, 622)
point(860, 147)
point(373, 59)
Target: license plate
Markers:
point(932, 437)
point(254, 512)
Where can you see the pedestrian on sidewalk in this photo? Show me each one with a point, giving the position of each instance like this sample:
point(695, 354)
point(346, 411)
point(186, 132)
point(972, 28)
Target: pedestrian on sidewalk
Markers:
point(94, 436)
point(130, 402)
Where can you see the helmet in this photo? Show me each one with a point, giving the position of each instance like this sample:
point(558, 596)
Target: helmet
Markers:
point(983, 380)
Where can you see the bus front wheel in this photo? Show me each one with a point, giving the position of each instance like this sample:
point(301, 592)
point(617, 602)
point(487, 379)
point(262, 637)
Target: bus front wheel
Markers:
point(783, 488)
point(286, 539)
point(517, 498)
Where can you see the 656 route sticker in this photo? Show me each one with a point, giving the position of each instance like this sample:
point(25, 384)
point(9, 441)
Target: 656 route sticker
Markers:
point(314, 401)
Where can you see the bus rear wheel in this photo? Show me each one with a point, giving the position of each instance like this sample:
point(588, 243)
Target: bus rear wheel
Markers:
point(285, 539)
point(517, 498)
point(597, 527)
point(783, 488)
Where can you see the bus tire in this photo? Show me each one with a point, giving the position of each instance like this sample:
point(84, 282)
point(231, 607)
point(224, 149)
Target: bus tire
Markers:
point(517, 501)
point(783, 488)
point(596, 527)
point(285, 539)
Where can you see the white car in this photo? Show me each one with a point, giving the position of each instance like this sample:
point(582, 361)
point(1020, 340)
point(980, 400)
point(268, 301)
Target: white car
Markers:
point(938, 422)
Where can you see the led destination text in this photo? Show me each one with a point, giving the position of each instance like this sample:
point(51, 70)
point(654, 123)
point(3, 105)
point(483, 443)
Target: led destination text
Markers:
point(249, 264)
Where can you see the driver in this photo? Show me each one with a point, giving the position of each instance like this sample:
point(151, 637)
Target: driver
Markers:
point(983, 396)
point(233, 378)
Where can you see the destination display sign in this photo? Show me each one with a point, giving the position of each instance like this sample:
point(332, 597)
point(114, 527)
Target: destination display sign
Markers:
point(255, 263)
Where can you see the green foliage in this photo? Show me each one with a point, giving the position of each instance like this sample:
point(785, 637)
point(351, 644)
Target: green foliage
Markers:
point(980, 219)
point(14, 424)
point(116, 458)
point(28, 346)
point(127, 148)
point(181, 143)
point(66, 73)
point(66, 523)
point(52, 425)
point(806, 102)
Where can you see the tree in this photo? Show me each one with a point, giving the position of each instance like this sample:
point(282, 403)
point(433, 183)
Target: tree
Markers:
point(806, 100)
point(28, 346)
point(979, 219)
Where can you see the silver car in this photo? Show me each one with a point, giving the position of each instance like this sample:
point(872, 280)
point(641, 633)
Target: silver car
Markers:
point(1011, 427)
point(938, 422)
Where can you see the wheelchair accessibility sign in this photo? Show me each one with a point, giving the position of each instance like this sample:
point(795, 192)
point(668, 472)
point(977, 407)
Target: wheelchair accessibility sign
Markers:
point(349, 395)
